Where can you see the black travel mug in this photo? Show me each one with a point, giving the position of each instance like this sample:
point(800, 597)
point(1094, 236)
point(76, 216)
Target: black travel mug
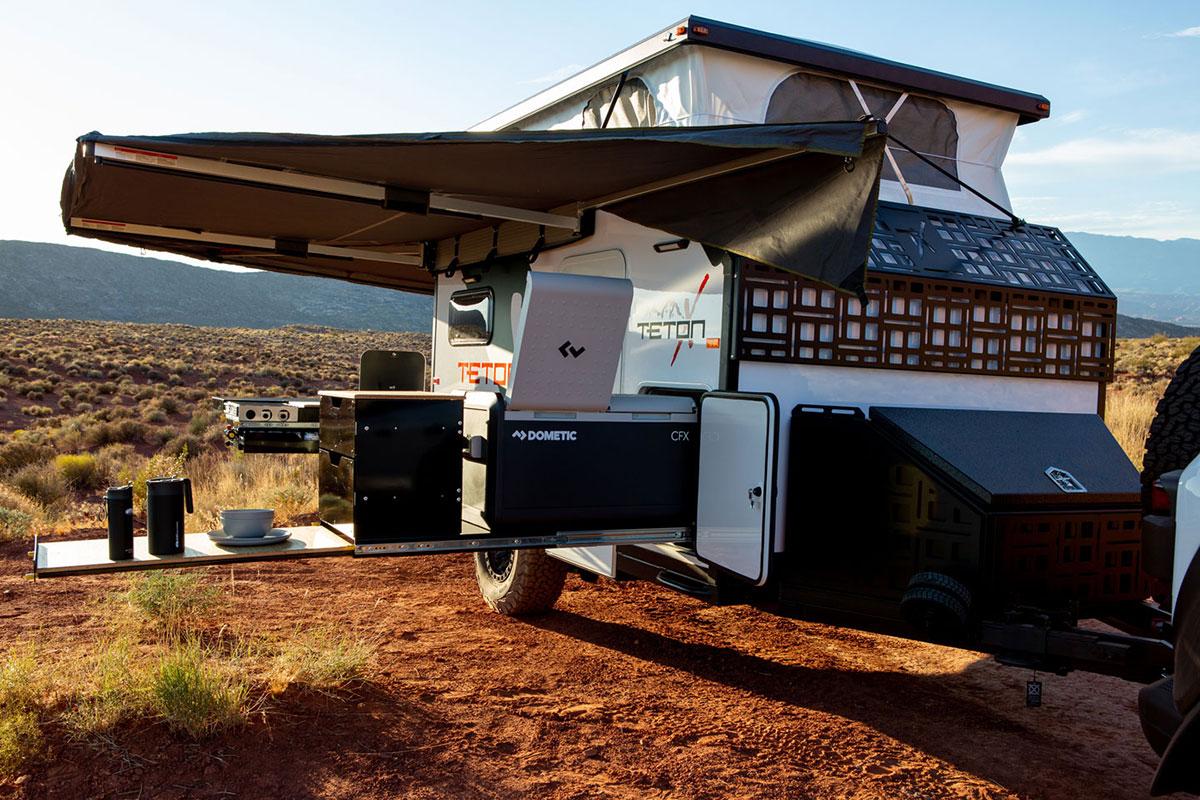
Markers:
point(165, 500)
point(119, 500)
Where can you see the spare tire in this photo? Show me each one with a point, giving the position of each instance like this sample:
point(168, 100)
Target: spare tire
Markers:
point(519, 582)
point(1174, 438)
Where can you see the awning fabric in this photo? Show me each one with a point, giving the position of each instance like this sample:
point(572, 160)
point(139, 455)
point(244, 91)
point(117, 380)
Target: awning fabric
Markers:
point(379, 209)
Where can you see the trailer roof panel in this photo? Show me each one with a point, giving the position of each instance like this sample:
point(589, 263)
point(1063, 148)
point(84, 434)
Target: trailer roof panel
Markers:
point(364, 208)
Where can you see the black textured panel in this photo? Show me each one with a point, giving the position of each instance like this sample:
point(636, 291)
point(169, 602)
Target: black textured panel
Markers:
point(1001, 457)
point(917, 241)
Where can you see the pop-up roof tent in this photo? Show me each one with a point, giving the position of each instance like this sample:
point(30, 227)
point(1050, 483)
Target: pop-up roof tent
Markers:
point(704, 72)
point(391, 209)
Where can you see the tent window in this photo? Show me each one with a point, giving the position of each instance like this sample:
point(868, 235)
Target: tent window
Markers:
point(636, 106)
point(470, 318)
point(921, 122)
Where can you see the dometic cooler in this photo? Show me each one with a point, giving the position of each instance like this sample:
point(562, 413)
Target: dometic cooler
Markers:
point(633, 465)
point(1017, 507)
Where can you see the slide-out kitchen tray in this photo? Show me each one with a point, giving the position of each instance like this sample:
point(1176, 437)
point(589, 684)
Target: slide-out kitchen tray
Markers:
point(90, 556)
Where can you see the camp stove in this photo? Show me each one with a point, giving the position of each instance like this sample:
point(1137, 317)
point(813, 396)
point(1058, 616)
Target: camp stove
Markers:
point(272, 425)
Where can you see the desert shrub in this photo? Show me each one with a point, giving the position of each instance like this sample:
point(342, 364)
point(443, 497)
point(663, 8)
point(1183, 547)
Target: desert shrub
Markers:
point(155, 415)
point(194, 696)
point(80, 471)
point(65, 402)
point(14, 523)
point(169, 404)
point(160, 465)
point(21, 453)
point(41, 482)
point(201, 420)
point(324, 660)
point(172, 601)
point(20, 693)
point(37, 411)
point(144, 393)
point(183, 446)
point(125, 430)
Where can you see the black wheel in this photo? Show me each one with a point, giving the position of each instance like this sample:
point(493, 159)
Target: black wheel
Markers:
point(937, 614)
point(1174, 438)
point(517, 582)
point(942, 582)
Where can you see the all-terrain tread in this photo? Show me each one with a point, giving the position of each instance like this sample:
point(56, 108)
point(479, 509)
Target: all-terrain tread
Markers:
point(532, 587)
point(1174, 438)
point(942, 582)
point(917, 603)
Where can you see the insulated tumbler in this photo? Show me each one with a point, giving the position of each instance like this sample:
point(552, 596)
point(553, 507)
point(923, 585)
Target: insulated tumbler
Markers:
point(165, 498)
point(119, 501)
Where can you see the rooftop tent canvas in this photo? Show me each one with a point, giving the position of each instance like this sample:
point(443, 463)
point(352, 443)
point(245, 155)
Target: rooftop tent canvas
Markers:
point(698, 86)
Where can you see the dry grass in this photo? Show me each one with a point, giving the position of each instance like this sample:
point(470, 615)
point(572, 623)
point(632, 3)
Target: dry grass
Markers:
point(1129, 410)
point(323, 660)
point(22, 693)
point(287, 484)
point(197, 693)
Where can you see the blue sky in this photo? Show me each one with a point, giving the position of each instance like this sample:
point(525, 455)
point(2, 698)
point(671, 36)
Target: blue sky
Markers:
point(1120, 154)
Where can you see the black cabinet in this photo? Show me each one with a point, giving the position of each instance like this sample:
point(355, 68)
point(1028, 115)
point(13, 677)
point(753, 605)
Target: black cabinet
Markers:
point(391, 465)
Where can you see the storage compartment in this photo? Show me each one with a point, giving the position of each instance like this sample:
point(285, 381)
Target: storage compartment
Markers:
point(1021, 508)
point(633, 466)
point(390, 465)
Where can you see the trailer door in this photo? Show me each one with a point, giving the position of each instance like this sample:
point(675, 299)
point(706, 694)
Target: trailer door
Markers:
point(735, 503)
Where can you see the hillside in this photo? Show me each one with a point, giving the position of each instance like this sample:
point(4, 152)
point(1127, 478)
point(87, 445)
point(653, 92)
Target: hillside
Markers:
point(49, 281)
point(1155, 279)
point(1138, 328)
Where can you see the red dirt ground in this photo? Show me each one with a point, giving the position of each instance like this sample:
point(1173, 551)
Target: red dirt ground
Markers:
point(625, 691)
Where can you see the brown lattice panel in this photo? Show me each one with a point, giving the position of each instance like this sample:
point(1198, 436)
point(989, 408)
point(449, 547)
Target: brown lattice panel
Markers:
point(1092, 557)
point(926, 324)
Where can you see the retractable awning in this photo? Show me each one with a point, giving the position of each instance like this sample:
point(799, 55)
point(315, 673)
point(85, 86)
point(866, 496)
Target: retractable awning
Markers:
point(389, 210)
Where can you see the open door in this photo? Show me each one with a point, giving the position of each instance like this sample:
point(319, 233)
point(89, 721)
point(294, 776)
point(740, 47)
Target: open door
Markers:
point(735, 502)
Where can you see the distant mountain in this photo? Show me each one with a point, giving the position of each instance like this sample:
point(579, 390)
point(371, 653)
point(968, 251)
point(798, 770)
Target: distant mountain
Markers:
point(1138, 328)
point(51, 281)
point(1159, 280)
point(1153, 280)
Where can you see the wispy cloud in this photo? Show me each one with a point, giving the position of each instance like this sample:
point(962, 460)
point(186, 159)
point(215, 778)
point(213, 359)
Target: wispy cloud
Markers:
point(1154, 219)
point(1186, 33)
point(1138, 149)
point(1070, 117)
point(562, 73)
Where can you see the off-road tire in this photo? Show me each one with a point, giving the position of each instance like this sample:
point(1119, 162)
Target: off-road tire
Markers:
point(935, 613)
point(942, 582)
point(1174, 438)
point(531, 583)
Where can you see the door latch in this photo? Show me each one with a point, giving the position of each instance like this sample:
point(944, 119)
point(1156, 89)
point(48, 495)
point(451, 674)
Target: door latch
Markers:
point(755, 495)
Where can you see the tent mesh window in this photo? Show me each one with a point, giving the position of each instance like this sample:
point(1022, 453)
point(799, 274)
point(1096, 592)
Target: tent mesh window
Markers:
point(636, 107)
point(924, 124)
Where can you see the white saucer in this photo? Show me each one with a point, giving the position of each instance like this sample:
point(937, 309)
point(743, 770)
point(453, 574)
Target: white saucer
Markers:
point(274, 536)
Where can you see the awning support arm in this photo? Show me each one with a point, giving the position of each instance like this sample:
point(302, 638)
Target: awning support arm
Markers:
point(284, 246)
point(391, 197)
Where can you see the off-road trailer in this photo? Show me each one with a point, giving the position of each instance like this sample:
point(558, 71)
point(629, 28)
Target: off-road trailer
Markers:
point(689, 330)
